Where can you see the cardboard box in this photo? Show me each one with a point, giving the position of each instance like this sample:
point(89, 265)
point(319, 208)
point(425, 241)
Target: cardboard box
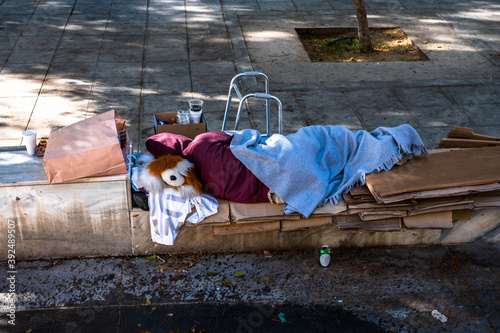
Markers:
point(189, 130)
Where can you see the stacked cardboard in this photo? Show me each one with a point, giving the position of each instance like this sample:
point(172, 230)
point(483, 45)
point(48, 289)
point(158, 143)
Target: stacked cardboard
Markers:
point(463, 137)
point(260, 217)
point(427, 192)
point(236, 218)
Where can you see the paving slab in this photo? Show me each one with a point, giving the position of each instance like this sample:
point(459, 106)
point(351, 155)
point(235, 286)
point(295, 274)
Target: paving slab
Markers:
point(103, 43)
point(63, 61)
point(274, 47)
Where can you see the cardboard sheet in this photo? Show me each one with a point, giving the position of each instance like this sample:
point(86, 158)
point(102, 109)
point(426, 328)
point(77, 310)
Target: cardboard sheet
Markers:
point(258, 212)
point(373, 216)
point(450, 169)
point(486, 201)
point(328, 210)
point(440, 220)
point(466, 143)
point(463, 214)
point(221, 218)
point(246, 228)
point(468, 133)
point(447, 192)
point(361, 193)
point(375, 207)
point(434, 205)
point(355, 222)
point(301, 224)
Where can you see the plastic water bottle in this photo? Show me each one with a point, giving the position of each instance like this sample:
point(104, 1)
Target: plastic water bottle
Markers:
point(324, 255)
point(182, 117)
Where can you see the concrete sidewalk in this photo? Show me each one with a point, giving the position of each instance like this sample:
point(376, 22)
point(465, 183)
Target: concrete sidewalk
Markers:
point(430, 289)
point(63, 61)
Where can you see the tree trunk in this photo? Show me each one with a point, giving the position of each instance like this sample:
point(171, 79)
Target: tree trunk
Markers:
point(365, 42)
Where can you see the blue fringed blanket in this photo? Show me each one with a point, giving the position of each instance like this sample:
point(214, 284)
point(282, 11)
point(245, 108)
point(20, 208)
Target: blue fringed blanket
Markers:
point(317, 164)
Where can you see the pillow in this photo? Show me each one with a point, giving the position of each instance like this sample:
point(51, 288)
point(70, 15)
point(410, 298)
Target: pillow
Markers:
point(222, 174)
point(167, 143)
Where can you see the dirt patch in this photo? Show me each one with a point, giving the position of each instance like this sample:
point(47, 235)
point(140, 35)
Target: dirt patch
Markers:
point(341, 44)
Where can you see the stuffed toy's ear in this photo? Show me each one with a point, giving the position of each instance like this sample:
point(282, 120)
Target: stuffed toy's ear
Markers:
point(191, 178)
point(158, 166)
point(150, 177)
point(144, 159)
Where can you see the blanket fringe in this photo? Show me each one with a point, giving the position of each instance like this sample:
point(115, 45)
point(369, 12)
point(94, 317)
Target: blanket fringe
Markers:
point(386, 166)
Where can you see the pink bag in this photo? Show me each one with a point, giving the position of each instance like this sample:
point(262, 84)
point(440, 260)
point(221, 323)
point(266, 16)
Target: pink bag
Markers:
point(97, 146)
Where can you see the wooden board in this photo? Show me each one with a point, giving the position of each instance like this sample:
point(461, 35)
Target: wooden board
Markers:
point(438, 171)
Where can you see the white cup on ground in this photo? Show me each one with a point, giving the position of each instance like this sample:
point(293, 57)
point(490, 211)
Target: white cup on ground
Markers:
point(29, 140)
point(195, 116)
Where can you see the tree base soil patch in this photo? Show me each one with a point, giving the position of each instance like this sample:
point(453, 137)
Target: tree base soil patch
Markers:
point(341, 44)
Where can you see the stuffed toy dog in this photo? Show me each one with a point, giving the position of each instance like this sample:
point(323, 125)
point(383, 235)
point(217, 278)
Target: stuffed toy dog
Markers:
point(170, 171)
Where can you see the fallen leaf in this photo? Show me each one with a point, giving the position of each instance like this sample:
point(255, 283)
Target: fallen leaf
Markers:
point(151, 258)
point(148, 302)
point(170, 314)
point(177, 277)
point(239, 274)
point(29, 331)
point(214, 273)
point(226, 283)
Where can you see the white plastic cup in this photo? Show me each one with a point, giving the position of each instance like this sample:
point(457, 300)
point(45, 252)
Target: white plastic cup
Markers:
point(195, 116)
point(29, 140)
point(195, 105)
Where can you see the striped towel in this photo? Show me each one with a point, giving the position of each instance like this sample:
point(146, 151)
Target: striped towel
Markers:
point(168, 212)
